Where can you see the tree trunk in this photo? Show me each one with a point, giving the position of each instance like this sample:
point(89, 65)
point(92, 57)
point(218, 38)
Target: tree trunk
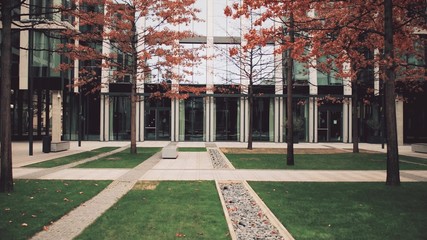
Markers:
point(355, 120)
point(289, 109)
point(393, 175)
point(6, 178)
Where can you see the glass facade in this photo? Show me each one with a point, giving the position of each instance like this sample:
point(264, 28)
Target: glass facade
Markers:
point(327, 77)
point(192, 119)
point(207, 117)
point(120, 118)
point(263, 117)
point(157, 119)
point(227, 119)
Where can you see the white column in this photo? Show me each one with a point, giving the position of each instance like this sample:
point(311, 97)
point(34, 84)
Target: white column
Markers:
point(347, 113)
point(278, 101)
point(346, 120)
point(209, 116)
point(312, 116)
point(399, 122)
point(23, 52)
point(56, 116)
point(376, 75)
point(105, 118)
point(23, 60)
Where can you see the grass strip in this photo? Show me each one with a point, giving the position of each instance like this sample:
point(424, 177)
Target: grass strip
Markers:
point(123, 159)
point(192, 149)
point(165, 212)
point(348, 210)
point(71, 158)
point(36, 203)
point(338, 161)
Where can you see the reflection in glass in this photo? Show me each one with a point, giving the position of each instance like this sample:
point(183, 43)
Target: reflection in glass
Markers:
point(263, 116)
point(226, 119)
point(191, 119)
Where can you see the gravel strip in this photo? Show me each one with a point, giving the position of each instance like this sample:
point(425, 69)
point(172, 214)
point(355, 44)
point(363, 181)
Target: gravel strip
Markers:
point(218, 161)
point(249, 221)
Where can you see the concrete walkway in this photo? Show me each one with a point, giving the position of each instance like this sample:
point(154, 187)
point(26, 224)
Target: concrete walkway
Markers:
point(188, 166)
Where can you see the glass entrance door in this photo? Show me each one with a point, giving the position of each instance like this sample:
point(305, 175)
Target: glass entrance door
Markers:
point(157, 124)
point(329, 126)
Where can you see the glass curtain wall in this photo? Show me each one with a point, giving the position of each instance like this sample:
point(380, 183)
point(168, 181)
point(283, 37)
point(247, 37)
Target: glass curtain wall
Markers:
point(327, 77)
point(120, 118)
point(226, 119)
point(263, 117)
point(192, 119)
point(157, 119)
point(300, 114)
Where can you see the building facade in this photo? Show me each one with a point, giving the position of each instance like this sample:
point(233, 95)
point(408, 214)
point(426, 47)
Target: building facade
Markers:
point(322, 102)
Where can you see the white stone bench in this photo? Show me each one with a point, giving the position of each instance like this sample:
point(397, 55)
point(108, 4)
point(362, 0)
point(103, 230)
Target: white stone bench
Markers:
point(419, 147)
point(59, 146)
point(170, 151)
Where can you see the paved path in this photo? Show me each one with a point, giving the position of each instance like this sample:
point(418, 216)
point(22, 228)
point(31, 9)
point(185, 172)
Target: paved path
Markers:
point(188, 166)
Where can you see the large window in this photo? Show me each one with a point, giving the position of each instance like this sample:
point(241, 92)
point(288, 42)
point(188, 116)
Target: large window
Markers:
point(263, 117)
point(195, 74)
point(191, 119)
point(226, 119)
point(224, 26)
point(45, 59)
point(226, 70)
point(327, 75)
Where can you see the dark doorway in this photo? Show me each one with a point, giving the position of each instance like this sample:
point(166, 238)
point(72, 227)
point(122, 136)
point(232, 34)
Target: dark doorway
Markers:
point(120, 117)
point(157, 119)
point(226, 118)
point(194, 119)
point(329, 127)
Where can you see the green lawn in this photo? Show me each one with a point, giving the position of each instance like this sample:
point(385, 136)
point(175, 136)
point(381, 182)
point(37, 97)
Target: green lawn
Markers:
point(36, 203)
point(348, 210)
point(123, 159)
point(188, 210)
point(192, 149)
point(71, 158)
point(339, 161)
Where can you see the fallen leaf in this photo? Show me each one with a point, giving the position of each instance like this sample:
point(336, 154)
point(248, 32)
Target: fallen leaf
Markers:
point(45, 228)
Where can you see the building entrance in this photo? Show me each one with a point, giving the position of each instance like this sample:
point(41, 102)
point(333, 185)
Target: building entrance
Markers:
point(329, 126)
point(157, 124)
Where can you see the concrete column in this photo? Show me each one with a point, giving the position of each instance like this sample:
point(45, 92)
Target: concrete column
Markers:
point(399, 122)
point(312, 120)
point(312, 115)
point(278, 101)
point(105, 118)
point(23, 60)
point(174, 122)
point(346, 121)
point(56, 116)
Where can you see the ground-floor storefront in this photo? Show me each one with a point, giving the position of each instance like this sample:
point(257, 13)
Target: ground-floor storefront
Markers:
point(211, 117)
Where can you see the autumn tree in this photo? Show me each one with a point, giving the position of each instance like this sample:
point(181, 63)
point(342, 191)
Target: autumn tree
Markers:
point(251, 66)
point(137, 30)
point(287, 35)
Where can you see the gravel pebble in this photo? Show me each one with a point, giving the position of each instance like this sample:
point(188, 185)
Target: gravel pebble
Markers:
point(218, 161)
point(249, 221)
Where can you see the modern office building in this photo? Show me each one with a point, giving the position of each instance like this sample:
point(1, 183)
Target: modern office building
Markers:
point(215, 115)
